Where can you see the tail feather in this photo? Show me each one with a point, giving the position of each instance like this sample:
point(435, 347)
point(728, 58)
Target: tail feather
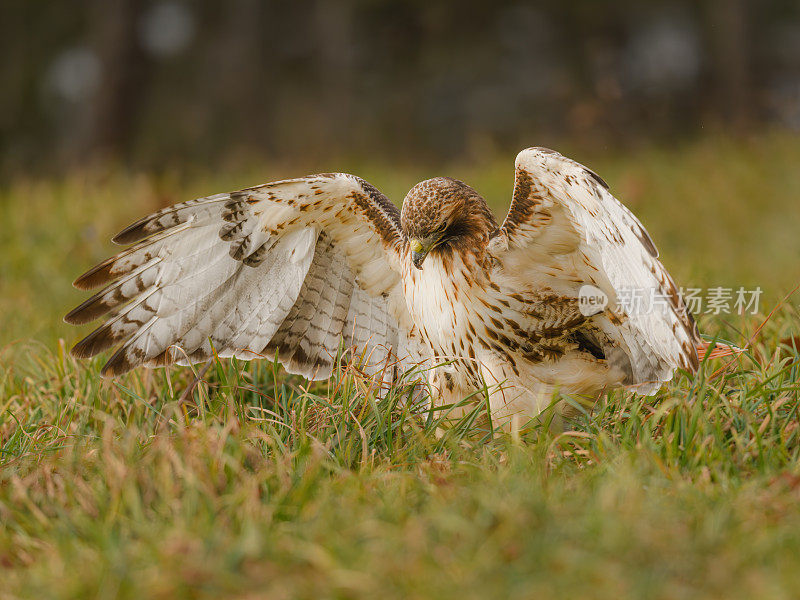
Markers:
point(712, 350)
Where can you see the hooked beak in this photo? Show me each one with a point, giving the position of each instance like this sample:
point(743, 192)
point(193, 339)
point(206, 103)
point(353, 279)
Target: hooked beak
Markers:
point(418, 253)
point(417, 258)
point(421, 247)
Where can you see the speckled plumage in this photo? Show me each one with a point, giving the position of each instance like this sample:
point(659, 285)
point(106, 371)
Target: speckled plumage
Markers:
point(295, 268)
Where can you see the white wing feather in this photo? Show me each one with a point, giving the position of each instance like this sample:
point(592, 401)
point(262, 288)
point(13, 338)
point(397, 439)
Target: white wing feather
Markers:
point(564, 230)
point(291, 268)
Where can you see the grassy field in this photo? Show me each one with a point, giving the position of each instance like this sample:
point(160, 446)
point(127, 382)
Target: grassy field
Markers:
point(252, 484)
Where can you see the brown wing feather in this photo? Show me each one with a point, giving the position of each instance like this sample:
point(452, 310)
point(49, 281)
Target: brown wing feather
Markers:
point(565, 229)
point(231, 271)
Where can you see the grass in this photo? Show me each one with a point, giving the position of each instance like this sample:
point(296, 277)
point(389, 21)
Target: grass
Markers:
point(249, 483)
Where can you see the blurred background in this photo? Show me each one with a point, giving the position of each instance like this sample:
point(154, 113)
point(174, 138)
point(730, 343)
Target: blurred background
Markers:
point(111, 109)
point(159, 82)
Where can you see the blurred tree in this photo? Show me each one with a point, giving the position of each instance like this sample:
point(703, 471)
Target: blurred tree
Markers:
point(126, 73)
point(335, 52)
point(730, 42)
point(163, 81)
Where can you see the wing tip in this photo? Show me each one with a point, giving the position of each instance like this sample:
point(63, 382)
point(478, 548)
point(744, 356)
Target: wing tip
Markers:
point(131, 234)
point(119, 363)
point(534, 152)
point(542, 153)
point(75, 317)
point(96, 342)
point(87, 311)
point(692, 360)
point(94, 277)
point(84, 348)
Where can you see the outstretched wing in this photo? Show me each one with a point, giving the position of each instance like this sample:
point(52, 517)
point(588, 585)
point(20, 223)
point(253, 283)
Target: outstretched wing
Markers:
point(289, 268)
point(565, 230)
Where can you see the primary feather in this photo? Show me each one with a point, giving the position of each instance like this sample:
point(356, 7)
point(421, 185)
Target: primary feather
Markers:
point(267, 269)
point(302, 269)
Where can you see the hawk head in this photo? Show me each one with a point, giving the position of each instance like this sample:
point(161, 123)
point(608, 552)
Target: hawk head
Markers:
point(444, 216)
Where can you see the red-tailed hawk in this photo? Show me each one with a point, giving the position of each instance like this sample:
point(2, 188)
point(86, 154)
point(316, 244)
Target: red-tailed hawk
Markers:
point(295, 268)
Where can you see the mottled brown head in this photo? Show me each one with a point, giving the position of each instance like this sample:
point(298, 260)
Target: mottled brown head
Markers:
point(443, 216)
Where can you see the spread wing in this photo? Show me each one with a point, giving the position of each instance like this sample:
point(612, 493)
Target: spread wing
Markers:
point(289, 268)
point(565, 230)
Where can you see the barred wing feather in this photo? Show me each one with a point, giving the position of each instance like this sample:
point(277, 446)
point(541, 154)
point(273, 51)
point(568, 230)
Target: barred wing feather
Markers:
point(291, 268)
point(565, 230)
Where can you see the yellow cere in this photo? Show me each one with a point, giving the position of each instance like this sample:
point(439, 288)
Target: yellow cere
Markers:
point(416, 246)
